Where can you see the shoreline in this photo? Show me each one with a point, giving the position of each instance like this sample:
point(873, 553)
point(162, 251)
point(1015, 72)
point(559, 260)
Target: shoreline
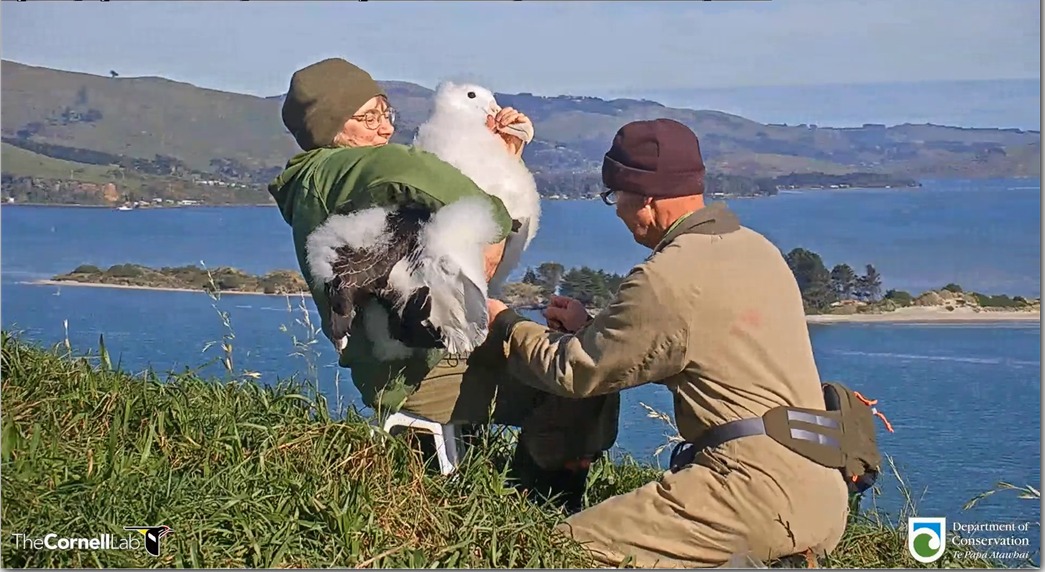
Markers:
point(149, 208)
point(716, 197)
point(913, 315)
point(925, 315)
point(49, 282)
point(712, 196)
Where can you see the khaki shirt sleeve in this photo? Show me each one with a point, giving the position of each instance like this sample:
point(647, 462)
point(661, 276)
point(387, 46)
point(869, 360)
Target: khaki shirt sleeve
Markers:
point(639, 338)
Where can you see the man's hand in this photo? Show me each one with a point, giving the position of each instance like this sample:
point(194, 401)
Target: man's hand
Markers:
point(492, 255)
point(493, 309)
point(565, 314)
point(505, 117)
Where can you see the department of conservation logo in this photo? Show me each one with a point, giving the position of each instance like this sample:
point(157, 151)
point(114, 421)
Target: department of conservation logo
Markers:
point(926, 538)
point(152, 535)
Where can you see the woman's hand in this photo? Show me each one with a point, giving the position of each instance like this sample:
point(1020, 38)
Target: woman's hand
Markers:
point(492, 255)
point(505, 117)
point(493, 308)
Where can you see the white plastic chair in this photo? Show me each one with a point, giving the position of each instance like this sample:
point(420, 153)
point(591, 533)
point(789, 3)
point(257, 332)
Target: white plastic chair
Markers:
point(448, 443)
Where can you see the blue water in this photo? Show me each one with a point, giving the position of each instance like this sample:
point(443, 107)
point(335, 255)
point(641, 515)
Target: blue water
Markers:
point(985, 235)
point(964, 400)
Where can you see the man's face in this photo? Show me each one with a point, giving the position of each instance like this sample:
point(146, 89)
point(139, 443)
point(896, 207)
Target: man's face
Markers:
point(636, 211)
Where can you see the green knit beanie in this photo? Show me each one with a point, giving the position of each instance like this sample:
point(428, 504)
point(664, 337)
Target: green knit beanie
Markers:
point(322, 97)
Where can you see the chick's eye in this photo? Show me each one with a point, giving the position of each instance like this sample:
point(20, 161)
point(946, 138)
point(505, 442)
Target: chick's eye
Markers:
point(471, 95)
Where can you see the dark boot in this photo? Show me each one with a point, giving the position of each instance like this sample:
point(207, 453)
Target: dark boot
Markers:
point(563, 487)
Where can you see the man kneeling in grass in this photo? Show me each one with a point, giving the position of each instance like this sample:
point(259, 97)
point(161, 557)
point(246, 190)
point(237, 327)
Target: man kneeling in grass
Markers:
point(716, 317)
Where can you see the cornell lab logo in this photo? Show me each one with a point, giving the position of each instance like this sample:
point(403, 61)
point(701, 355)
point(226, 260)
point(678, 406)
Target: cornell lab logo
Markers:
point(926, 538)
point(152, 535)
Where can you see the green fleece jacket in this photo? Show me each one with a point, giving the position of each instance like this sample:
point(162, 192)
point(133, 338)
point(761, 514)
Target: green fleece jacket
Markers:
point(318, 183)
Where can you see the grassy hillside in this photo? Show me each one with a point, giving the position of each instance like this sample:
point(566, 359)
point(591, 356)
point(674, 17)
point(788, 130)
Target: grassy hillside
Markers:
point(30, 177)
point(23, 163)
point(263, 476)
point(141, 117)
point(773, 164)
point(183, 130)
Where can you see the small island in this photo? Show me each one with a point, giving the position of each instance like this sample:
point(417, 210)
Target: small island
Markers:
point(222, 279)
point(829, 296)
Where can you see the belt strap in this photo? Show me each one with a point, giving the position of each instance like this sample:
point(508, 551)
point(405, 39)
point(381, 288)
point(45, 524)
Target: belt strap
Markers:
point(732, 430)
point(685, 451)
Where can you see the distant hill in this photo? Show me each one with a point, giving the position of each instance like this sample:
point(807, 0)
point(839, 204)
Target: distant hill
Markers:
point(162, 127)
point(140, 117)
point(574, 132)
point(981, 103)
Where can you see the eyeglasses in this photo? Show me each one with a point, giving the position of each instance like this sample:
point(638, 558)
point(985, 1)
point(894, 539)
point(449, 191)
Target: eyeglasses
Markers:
point(372, 118)
point(611, 196)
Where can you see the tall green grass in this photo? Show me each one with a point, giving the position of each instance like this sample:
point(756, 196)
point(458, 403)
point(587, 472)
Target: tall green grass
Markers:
point(244, 475)
point(253, 475)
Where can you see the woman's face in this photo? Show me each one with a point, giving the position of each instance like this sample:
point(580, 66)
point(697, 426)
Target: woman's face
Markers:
point(370, 126)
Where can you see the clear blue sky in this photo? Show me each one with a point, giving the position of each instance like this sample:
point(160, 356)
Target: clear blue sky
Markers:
point(540, 47)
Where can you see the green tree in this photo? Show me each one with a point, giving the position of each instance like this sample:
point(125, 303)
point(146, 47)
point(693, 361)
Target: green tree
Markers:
point(530, 277)
point(901, 297)
point(587, 285)
point(124, 271)
point(843, 280)
point(869, 286)
point(549, 277)
point(814, 281)
point(613, 281)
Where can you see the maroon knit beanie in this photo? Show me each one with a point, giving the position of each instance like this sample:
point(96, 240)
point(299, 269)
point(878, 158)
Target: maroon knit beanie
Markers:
point(659, 158)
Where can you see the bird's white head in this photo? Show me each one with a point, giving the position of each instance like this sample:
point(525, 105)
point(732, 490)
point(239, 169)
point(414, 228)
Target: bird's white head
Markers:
point(468, 102)
point(465, 99)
